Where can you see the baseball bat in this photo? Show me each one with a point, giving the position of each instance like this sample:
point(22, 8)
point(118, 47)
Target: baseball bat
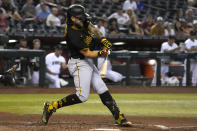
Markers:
point(104, 68)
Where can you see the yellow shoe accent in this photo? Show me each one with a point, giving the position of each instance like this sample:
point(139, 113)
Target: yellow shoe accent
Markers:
point(55, 105)
point(50, 107)
point(122, 121)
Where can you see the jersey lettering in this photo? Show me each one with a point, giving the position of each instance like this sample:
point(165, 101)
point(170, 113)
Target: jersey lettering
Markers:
point(56, 63)
point(88, 38)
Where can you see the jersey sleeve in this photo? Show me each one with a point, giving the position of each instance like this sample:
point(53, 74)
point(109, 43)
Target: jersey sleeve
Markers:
point(188, 45)
point(77, 40)
point(163, 48)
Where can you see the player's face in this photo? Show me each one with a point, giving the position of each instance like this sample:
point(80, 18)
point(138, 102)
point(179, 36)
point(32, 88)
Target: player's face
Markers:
point(37, 45)
point(193, 37)
point(23, 43)
point(171, 41)
point(77, 21)
point(58, 52)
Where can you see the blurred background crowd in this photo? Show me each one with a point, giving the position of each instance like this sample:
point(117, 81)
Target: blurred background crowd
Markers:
point(136, 17)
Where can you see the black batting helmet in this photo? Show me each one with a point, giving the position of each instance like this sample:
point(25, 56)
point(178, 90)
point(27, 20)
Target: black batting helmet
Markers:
point(77, 10)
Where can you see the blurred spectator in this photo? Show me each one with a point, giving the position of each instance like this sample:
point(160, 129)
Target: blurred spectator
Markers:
point(35, 63)
point(134, 27)
point(100, 26)
point(113, 26)
point(189, 16)
point(190, 3)
point(61, 14)
point(38, 6)
point(194, 25)
point(130, 13)
point(22, 45)
point(146, 24)
point(11, 10)
point(140, 5)
point(180, 14)
point(105, 24)
point(29, 10)
point(169, 30)
point(178, 29)
point(130, 4)
point(43, 12)
point(52, 19)
point(3, 22)
point(184, 25)
point(158, 29)
point(121, 17)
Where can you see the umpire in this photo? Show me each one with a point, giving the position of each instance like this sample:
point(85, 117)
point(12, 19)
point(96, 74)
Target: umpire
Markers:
point(79, 33)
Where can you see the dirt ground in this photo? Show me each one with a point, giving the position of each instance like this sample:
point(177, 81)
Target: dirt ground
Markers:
point(13, 122)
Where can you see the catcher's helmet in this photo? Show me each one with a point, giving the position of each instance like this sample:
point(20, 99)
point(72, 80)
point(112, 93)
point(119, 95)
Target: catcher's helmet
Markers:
point(77, 10)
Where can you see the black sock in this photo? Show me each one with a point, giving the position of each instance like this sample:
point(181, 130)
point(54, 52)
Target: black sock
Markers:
point(108, 101)
point(69, 100)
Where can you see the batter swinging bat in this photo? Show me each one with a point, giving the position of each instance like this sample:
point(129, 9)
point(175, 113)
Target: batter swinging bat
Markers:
point(104, 68)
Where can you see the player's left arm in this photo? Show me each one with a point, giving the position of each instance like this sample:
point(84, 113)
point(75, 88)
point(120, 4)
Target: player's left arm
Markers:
point(99, 35)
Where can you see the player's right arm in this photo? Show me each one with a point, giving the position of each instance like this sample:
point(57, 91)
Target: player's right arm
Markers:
point(89, 54)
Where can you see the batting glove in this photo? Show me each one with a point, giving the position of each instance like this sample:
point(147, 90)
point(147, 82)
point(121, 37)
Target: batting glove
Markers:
point(103, 52)
point(106, 43)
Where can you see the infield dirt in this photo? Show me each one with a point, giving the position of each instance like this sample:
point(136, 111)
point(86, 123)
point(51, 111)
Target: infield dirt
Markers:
point(13, 122)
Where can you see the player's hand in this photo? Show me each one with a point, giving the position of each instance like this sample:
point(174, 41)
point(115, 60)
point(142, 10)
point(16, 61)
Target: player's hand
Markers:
point(106, 43)
point(12, 69)
point(103, 52)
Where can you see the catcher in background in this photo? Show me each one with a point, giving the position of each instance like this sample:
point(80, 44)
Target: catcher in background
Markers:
point(54, 62)
point(7, 78)
point(79, 33)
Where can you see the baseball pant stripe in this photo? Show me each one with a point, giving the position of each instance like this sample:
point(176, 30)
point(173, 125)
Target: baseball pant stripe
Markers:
point(78, 79)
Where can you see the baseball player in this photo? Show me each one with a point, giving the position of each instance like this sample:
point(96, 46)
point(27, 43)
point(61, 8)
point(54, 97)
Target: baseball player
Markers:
point(54, 62)
point(191, 46)
point(169, 46)
point(35, 63)
point(79, 34)
point(110, 74)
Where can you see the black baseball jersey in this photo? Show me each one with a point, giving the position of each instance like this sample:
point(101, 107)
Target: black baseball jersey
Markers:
point(77, 40)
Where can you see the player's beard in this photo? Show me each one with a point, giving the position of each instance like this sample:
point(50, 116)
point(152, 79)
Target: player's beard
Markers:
point(78, 25)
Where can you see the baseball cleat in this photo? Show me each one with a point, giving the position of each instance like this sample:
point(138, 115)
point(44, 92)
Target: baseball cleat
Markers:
point(47, 112)
point(122, 121)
